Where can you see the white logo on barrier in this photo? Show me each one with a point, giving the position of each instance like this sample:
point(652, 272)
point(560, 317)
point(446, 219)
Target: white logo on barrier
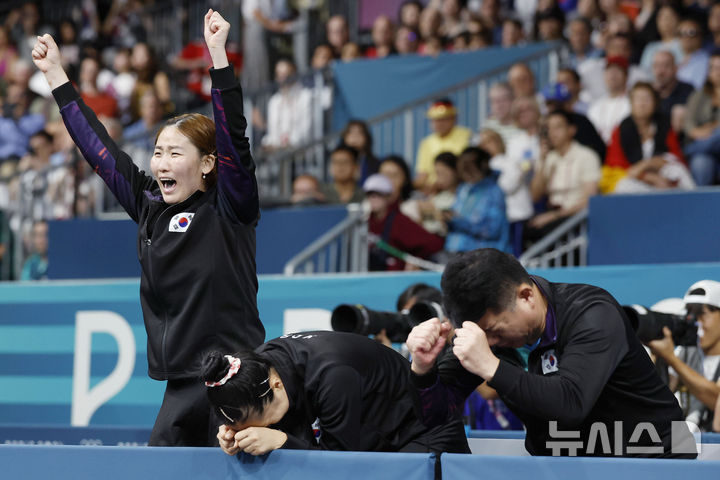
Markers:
point(86, 400)
point(681, 442)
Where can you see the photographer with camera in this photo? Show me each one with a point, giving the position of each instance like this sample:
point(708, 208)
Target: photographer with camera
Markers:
point(702, 302)
point(587, 371)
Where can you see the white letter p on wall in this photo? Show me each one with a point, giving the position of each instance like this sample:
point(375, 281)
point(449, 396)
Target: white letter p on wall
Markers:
point(85, 401)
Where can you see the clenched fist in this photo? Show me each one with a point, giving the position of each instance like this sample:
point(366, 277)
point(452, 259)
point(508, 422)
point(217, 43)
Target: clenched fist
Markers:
point(425, 342)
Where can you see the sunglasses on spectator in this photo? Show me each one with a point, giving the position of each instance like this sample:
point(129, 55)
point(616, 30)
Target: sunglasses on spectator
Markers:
point(689, 33)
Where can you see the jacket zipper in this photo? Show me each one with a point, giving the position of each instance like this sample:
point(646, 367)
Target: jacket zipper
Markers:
point(148, 242)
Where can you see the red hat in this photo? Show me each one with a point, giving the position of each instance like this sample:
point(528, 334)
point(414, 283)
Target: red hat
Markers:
point(617, 60)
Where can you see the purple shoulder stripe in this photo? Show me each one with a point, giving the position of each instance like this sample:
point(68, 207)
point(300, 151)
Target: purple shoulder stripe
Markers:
point(97, 154)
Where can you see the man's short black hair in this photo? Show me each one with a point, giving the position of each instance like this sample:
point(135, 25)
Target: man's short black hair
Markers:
point(564, 114)
point(479, 281)
point(348, 149)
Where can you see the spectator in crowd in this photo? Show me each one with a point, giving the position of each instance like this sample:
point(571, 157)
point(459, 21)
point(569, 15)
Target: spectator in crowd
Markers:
point(522, 82)
point(8, 53)
point(148, 77)
point(24, 24)
point(194, 59)
point(702, 302)
point(567, 175)
point(501, 115)
point(480, 36)
point(409, 15)
point(644, 153)
point(338, 34)
point(713, 26)
point(431, 211)
point(17, 124)
point(141, 134)
point(558, 97)
point(525, 11)
point(571, 79)
point(693, 67)
point(490, 15)
point(394, 228)
point(525, 147)
point(607, 112)
point(102, 103)
point(592, 70)
point(29, 190)
point(667, 21)
point(581, 48)
point(322, 56)
point(259, 18)
point(673, 93)
point(119, 82)
point(36, 264)
point(289, 124)
point(430, 21)
point(478, 218)
point(69, 46)
point(357, 135)
point(513, 181)
point(454, 14)
point(406, 41)
point(549, 25)
point(397, 171)
point(702, 119)
point(344, 172)
point(447, 136)
point(351, 51)
point(512, 33)
point(432, 47)
point(383, 36)
point(306, 190)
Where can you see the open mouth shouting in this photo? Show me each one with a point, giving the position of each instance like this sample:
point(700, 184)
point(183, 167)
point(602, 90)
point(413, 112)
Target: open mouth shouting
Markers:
point(167, 185)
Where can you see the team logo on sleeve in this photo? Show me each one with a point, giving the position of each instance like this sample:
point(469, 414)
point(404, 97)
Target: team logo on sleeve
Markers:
point(181, 222)
point(549, 361)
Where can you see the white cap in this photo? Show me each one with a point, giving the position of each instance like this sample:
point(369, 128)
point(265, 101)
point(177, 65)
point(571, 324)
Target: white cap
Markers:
point(378, 183)
point(706, 292)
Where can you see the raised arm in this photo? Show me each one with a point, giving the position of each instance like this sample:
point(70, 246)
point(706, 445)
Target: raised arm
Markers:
point(237, 186)
point(114, 166)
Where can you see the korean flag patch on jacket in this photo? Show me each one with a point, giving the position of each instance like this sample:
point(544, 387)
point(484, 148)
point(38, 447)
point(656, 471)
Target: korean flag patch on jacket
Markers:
point(549, 362)
point(181, 222)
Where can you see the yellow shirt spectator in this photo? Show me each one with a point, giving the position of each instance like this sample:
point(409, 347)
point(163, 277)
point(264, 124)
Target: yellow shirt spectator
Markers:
point(454, 142)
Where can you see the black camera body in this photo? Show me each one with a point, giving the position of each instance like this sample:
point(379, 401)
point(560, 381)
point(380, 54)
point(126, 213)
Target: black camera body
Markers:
point(364, 321)
point(649, 325)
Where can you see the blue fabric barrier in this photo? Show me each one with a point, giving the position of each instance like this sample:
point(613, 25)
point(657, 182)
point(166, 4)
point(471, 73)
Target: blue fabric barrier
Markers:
point(122, 463)
point(672, 227)
point(455, 466)
point(369, 88)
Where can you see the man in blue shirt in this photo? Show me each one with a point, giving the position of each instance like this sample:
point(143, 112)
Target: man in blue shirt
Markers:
point(477, 219)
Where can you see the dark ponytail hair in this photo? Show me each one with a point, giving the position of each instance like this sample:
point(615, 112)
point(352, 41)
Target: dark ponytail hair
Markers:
point(246, 393)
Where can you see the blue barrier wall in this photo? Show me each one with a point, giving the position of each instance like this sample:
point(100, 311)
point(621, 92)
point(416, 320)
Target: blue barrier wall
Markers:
point(122, 463)
point(63, 462)
point(86, 248)
point(671, 227)
point(48, 329)
point(544, 468)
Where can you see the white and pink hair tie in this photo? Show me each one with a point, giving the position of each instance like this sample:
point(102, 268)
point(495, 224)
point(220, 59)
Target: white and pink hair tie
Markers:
point(234, 367)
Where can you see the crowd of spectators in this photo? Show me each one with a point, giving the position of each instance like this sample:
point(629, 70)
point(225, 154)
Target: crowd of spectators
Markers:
point(638, 84)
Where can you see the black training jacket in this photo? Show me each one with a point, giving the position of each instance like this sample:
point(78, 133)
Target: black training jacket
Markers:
point(595, 371)
point(357, 389)
point(199, 284)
